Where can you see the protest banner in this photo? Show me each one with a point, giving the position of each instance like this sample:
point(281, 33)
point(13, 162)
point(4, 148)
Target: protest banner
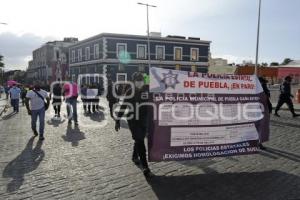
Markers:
point(202, 115)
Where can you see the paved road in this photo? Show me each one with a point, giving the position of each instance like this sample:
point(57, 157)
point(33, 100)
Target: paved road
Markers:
point(93, 162)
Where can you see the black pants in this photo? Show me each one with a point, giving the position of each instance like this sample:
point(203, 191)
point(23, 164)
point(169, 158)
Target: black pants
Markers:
point(138, 132)
point(285, 99)
point(111, 108)
point(269, 105)
point(56, 106)
point(84, 104)
point(57, 109)
point(23, 101)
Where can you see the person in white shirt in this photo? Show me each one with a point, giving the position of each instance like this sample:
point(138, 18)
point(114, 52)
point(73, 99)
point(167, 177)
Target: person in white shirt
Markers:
point(14, 94)
point(37, 108)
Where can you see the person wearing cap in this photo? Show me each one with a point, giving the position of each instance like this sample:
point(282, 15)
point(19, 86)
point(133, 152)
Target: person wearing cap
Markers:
point(286, 97)
point(37, 108)
point(137, 120)
point(14, 94)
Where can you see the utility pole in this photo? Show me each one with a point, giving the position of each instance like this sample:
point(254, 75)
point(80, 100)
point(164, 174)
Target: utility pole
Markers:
point(148, 31)
point(257, 39)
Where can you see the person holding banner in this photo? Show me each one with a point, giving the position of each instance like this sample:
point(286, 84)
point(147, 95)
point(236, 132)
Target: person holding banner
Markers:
point(137, 120)
point(263, 83)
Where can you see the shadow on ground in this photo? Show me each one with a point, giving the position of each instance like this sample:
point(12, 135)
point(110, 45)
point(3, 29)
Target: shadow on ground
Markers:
point(73, 135)
point(55, 123)
point(28, 160)
point(284, 154)
point(254, 185)
point(97, 116)
point(9, 116)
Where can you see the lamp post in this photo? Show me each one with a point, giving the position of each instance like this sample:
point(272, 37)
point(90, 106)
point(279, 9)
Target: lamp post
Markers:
point(257, 39)
point(148, 35)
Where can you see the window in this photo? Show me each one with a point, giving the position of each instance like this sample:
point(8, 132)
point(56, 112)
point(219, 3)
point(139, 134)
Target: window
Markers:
point(73, 77)
point(160, 52)
point(177, 53)
point(194, 54)
point(141, 51)
point(96, 51)
point(57, 55)
point(79, 55)
point(121, 49)
point(73, 56)
point(141, 68)
point(87, 53)
point(121, 77)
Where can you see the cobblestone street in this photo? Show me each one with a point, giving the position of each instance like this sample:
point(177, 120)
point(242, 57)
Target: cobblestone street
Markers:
point(94, 162)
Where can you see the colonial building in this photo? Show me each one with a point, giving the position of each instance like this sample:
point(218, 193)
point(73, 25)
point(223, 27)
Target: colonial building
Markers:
point(121, 55)
point(50, 61)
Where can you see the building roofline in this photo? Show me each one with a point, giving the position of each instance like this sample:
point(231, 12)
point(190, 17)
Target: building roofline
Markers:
point(139, 36)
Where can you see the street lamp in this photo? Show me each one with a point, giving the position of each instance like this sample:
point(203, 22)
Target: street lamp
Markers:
point(148, 35)
point(257, 39)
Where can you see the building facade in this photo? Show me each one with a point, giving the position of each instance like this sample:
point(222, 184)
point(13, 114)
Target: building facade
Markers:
point(50, 61)
point(218, 62)
point(121, 55)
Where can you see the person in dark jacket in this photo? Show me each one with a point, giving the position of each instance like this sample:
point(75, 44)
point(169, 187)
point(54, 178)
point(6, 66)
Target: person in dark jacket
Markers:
point(57, 99)
point(23, 94)
point(263, 83)
point(286, 97)
point(266, 90)
point(83, 97)
point(111, 96)
point(137, 120)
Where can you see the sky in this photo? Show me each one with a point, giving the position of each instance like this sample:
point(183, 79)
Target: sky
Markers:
point(230, 25)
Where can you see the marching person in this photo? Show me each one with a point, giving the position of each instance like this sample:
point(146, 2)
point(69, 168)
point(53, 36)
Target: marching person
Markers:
point(263, 83)
point(23, 94)
point(138, 120)
point(6, 89)
point(57, 99)
point(1, 90)
point(37, 108)
point(14, 94)
point(286, 97)
point(83, 93)
point(70, 91)
point(111, 96)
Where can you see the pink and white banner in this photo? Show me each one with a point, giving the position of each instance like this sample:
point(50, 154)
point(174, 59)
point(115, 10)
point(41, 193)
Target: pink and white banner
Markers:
point(205, 115)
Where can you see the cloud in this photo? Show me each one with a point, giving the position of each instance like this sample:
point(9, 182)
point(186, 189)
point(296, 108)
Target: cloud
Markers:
point(17, 49)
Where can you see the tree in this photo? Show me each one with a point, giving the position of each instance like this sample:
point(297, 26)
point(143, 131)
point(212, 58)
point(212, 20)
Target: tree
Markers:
point(1, 69)
point(274, 64)
point(286, 61)
point(1, 62)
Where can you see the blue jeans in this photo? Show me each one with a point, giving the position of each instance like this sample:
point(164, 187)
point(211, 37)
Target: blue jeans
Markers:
point(15, 104)
point(72, 108)
point(34, 115)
